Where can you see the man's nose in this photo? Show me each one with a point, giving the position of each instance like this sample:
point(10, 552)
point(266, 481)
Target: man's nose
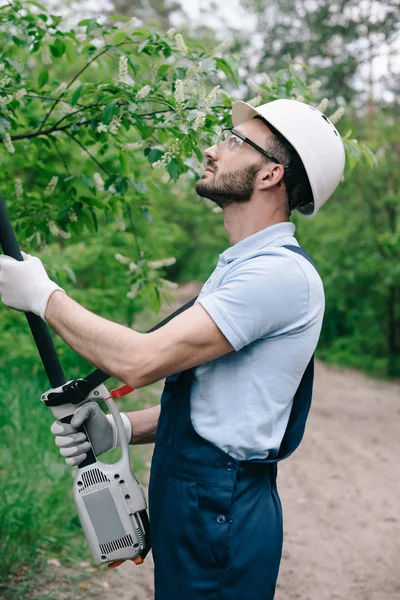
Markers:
point(211, 153)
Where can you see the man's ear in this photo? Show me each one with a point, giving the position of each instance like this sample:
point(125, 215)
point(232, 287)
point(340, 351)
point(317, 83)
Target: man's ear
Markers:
point(271, 174)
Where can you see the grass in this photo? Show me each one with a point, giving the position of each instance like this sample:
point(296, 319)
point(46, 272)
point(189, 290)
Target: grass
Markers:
point(37, 514)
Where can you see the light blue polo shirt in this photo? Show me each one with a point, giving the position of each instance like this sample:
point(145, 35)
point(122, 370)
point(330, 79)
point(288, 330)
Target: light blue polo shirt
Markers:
point(268, 302)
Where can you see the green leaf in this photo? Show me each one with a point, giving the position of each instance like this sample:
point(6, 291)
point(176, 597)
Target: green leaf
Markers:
point(124, 162)
point(121, 185)
point(43, 78)
point(92, 25)
point(84, 22)
point(18, 41)
point(198, 153)
point(153, 155)
point(58, 48)
point(163, 70)
point(119, 37)
point(108, 112)
point(226, 68)
point(108, 182)
point(119, 18)
point(173, 169)
point(76, 95)
point(70, 51)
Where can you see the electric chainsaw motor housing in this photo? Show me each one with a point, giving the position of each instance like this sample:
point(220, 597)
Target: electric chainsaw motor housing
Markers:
point(109, 500)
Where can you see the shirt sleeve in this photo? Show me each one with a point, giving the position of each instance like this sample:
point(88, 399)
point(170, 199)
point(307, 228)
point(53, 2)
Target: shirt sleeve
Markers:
point(263, 296)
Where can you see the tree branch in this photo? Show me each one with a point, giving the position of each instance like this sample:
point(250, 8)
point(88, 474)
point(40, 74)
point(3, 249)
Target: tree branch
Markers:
point(76, 77)
point(33, 134)
point(87, 152)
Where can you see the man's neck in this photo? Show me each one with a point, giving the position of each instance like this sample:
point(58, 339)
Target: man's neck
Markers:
point(242, 220)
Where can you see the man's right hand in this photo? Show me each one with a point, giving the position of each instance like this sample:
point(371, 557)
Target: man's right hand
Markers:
point(101, 429)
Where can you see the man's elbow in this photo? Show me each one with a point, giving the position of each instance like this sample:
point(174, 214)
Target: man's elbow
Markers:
point(142, 372)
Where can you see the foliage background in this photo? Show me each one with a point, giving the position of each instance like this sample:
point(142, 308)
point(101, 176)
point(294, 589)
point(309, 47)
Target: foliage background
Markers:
point(118, 233)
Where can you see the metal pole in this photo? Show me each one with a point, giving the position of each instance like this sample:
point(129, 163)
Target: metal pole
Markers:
point(41, 335)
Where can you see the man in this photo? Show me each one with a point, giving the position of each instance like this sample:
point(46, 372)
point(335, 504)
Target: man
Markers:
point(238, 363)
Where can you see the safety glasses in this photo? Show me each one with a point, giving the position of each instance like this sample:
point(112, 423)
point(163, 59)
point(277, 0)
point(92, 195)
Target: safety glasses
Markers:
point(234, 140)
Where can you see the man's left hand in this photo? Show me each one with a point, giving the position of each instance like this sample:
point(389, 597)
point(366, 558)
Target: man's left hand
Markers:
point(25, 285)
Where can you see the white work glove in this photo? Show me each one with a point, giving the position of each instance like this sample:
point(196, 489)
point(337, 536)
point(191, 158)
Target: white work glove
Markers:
point(101, 429)
point(25, 285)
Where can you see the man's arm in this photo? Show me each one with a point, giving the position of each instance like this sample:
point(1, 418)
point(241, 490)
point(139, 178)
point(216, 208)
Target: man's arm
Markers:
point(138, 359)
point(144, 424)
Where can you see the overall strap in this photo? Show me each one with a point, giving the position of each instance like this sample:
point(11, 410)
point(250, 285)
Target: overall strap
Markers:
point(302, 252)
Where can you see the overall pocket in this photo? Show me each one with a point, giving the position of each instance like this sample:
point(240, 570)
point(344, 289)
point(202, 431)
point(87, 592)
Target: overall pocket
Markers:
point(214, 508)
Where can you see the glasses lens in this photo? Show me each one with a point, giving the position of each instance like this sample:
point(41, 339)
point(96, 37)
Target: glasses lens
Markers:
point(229, 140)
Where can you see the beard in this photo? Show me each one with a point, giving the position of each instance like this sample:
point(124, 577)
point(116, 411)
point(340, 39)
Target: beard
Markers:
point(231, 188)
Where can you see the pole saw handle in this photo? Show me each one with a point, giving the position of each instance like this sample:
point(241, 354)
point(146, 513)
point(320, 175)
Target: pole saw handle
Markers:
point(90, 455)
point(41, 335)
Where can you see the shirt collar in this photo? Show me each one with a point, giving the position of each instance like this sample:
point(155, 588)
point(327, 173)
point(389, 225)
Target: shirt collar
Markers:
point(266, 237)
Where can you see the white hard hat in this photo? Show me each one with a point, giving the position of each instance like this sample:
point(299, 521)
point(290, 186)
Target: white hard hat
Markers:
point(315, 139)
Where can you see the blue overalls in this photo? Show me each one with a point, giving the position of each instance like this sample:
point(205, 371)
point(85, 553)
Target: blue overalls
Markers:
point(216, 522)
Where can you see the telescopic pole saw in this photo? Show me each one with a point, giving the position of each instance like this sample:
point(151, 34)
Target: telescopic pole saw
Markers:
point(110, 501)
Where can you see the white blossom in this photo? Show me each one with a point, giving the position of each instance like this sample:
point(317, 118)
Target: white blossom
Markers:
point(168, 155)
point(115, 124)
point(199, 121)
point(225, 45)
point(4, 100)
point(133, 291)
point(164, 262)
point(51, 186)
point(211, 98)
point(201, 91)
point(255, 87)
point(5, 81)
point(19, 192)
point(61, 89)
point(8, 143)
point(54, 230)
point(322, 106)
point(45, 54)
point(102, 127)
point(315, 86)
point(75, 85)
point(145, 91)
point(132, 146)
point(123, 69)
point(254, 101)
point(98, 182)
point(20, 94)
point(267, 80)
point(169, 285)
point(2, 66)
point(180, 43)
point(171, 32)
point(123, 260)
point(179, 94)
point(337, 115)
point(73, 218)
point(300, 98)
point(132, 267)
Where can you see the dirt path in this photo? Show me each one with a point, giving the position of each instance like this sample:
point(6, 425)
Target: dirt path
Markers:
point(340, 494)
point(341, 500)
